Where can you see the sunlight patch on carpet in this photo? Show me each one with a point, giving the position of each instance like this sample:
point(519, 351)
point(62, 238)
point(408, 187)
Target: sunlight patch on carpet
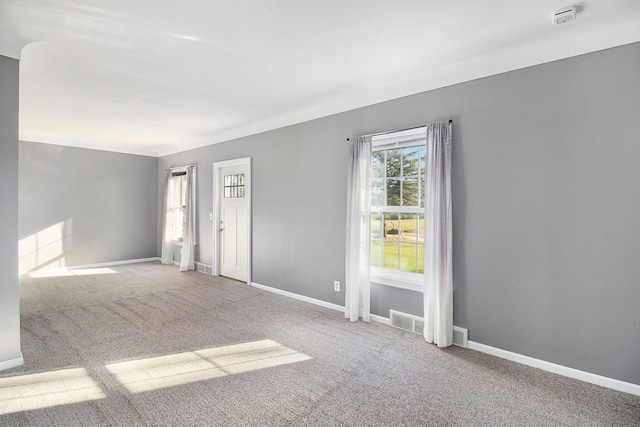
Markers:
point(60, 272)
point(43, 390)
point(182, 368)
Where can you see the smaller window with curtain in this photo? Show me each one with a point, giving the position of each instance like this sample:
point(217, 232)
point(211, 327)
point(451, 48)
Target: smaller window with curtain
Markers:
point(178, 204)
point(179, 220)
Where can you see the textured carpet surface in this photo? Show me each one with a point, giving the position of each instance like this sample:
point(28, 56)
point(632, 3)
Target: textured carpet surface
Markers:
point(150, 346)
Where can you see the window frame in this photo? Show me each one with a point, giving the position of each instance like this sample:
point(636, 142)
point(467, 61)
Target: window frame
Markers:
point(182, 188)
point(414, 137)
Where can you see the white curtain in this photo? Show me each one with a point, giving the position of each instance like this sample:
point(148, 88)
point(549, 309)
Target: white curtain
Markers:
point(166, 256)
point(438, 290)
point(189, 239)
point(357, 286)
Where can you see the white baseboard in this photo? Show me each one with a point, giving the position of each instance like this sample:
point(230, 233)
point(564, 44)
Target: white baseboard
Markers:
point(380, 319)
point(375, 318)
point(558, 369)
point(299, 297)
point(11, 363)
point(97, 265)
point(515, 357)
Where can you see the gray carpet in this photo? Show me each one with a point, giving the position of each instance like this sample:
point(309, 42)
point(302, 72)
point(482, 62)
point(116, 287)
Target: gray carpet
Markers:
point(78, 332)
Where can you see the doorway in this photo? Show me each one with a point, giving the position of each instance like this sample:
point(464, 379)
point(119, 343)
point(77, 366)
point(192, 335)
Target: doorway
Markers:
point(232, 222)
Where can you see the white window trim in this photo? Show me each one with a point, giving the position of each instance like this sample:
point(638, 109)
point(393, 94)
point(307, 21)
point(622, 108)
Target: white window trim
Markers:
point(399, 209)
point(382, 276)
point(404, 138)
point(397, 279)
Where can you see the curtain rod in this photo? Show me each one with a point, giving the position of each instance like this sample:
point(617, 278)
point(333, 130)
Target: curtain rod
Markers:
point(181, 167)
point(399, 130)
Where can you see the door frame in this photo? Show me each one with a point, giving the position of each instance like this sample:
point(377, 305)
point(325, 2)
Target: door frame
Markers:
point(217, 166)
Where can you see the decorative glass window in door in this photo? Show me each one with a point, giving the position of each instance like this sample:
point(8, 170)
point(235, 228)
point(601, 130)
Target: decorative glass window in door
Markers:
point(234, 186)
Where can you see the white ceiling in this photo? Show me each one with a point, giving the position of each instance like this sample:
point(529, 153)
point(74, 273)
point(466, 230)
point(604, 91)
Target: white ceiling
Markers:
point(157, 77)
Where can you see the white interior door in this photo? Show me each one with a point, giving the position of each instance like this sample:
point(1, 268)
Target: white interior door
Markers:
point(233, 190)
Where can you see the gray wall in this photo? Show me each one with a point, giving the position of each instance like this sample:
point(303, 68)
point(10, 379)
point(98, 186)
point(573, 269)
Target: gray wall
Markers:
point(546, 207)
point(9, 290)
point(102, 205)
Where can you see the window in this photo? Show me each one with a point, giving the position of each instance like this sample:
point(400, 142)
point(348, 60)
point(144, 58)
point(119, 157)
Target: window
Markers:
point(234, 186)
point(397, 208)
point(178, 204)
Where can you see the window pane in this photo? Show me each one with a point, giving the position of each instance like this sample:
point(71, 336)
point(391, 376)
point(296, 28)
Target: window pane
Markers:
point(178, 223)
point(377, 248)
point(241, 179)
point(393, 192)
point(377, 192)
point(377, 164)
point(240, 191)
point(227, 180)
point(391, 226)
point(410, 157)
point(183, 190)
point(376, 226)
point(410, 192)
point(394, 163)
point(227, 192)
point(408, 257)
point(408, 227)
point(391, 255)
point(421, 258)
point(404, 173)
point(175, 191)
point(421, 165)
point(420, 236)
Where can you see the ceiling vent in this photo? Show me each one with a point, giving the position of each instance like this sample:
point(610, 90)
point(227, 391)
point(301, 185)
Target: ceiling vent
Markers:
point(562, 16)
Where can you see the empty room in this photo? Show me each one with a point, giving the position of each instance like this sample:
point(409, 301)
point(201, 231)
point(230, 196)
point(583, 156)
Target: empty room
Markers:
point(356, 213)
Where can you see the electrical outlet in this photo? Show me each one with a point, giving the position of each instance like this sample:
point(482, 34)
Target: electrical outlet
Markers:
point(336, 286)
